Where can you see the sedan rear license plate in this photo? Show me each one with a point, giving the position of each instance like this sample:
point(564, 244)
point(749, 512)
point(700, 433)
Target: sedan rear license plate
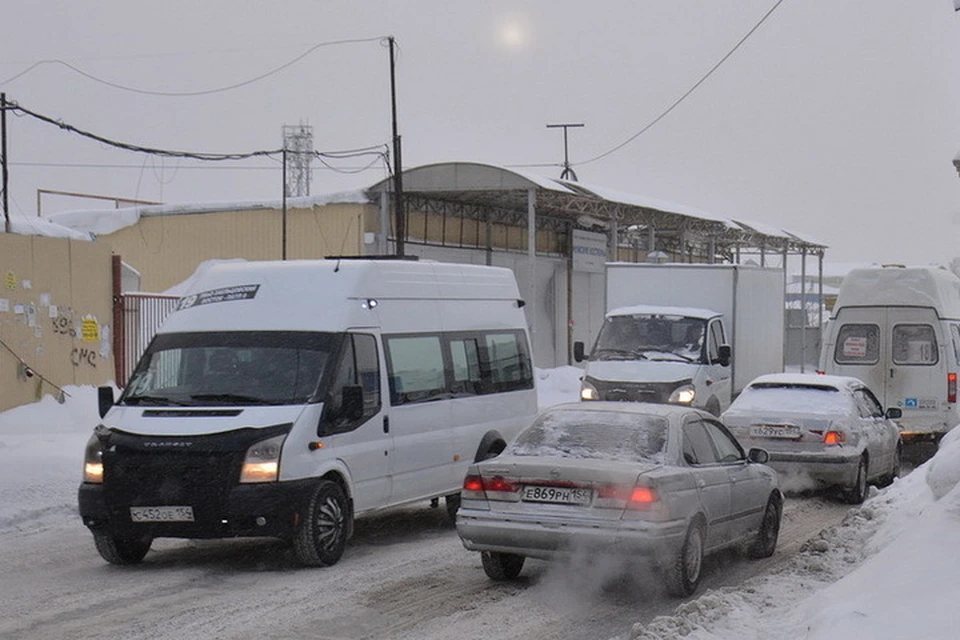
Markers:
point(775, 431)
point(161, 514)
point(558, 495)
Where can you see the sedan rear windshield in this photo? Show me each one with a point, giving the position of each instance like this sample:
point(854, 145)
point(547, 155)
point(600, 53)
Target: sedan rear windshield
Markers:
point(790, 397)
point(595, 434)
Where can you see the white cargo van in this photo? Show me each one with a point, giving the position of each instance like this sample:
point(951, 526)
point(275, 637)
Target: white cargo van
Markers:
point(898, 329)
point(283, 399)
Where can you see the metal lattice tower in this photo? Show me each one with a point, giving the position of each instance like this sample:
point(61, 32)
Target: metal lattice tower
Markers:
point(298, 143)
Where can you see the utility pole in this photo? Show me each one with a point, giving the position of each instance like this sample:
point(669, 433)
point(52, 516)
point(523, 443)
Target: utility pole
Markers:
point(3, 157)
point(568, 171)
point(399, 210)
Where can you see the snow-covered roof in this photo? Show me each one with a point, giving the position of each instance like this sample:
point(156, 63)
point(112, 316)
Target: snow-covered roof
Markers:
point(26, 226)
point(916, 286)
point(107, 221)
point(647, 309)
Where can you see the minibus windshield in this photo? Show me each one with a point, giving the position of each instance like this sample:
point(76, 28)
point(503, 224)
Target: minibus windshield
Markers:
point(231, 368)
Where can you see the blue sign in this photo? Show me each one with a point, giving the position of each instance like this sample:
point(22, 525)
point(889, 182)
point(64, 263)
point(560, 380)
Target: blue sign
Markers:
point(910, 403)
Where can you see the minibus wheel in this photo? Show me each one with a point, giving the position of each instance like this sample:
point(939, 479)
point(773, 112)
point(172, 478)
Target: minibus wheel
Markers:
point(321, 535)
point(121, 550)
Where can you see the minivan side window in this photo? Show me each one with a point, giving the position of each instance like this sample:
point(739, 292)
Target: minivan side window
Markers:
point(416, 368)
point(424, 367)
point(858, 344)
point(915, 344)
point(359, 366)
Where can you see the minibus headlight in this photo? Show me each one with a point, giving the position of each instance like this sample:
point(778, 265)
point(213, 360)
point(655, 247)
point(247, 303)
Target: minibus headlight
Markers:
point(684, 394)
point(93, 458)
point(588, 391)
point(262, 462)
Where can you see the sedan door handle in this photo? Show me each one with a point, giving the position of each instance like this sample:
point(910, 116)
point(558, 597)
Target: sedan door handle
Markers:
point(701, 483)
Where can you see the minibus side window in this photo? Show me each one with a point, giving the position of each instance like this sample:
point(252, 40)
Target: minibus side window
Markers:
point(465, 357)
point(955, 332)
point(416, 368)
point(858, 344)
point(358, 367)
point(915, 344)
point(508, 361)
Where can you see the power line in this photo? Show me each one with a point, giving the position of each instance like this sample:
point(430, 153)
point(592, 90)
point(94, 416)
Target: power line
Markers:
point(180, 94)
point(688, 92)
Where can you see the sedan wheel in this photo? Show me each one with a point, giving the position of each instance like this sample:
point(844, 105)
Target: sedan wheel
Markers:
point(683, 574)
point(322, 535)
point(501, 566)
point(766, 541)
point(858, 492)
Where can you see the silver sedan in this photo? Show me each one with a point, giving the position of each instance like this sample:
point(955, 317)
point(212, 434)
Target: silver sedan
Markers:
point(819, 431)
point(663, 482)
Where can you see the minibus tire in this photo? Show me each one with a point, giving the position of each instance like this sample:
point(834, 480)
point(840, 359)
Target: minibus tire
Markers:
point(452, 503)
point(321, 536)
point(121, 550)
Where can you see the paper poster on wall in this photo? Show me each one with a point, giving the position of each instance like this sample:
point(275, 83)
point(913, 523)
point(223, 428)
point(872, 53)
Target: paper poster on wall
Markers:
point(18, 309)
point(27, 284)
point(53, 311)
point(4, 305)
point(105, 341)
point(10, 280)
point(89, 329)
point(31, 313)
point(44, 299)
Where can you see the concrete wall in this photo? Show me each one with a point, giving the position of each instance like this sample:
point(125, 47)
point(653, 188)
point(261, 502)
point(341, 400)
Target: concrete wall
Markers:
point(56, 316)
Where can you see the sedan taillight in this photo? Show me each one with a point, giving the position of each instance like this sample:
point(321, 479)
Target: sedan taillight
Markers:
point(496, 488)
point(834, 437)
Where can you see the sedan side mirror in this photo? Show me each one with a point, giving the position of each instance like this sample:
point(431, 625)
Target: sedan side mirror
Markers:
point(758, 456)
point(578, 353)
point(894, 413)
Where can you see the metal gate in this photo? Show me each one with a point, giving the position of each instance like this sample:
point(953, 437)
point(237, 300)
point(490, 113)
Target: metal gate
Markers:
point(142, 315)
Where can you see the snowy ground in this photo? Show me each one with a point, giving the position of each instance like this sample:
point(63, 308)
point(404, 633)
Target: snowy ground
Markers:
point(888, 570)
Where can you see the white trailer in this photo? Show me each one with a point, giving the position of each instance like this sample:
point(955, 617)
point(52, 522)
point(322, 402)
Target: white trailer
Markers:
point(742, 311)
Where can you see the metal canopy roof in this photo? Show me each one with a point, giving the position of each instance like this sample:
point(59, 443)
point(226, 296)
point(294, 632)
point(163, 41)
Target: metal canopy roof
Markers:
point(501, 194)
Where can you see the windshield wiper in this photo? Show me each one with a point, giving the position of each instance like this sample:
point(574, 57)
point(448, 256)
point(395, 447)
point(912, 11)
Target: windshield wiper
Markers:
point(627, 354)
point(673, 357)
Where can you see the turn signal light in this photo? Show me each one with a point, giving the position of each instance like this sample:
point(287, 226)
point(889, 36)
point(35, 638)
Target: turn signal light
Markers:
point(834, 437)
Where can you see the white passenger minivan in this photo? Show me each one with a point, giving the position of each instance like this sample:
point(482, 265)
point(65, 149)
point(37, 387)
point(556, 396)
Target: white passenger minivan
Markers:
point(283, 399)
point(897, 329)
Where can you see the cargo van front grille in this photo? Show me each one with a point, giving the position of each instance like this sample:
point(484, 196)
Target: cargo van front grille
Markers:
point(658, 392)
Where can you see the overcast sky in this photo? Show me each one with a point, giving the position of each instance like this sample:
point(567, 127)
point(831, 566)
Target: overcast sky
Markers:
point(836, 118)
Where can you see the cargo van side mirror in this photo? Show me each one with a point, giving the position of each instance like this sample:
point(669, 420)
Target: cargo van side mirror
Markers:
point(104, 399)
point(352, 402)
point(724, 353)
point(894, 413)
point(578, 351)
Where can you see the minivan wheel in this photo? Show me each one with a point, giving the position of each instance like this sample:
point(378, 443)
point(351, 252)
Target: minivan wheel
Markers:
point(682, 575)
point(121, 550)
point(321, 536)
point(858, 492)
point(501, 566)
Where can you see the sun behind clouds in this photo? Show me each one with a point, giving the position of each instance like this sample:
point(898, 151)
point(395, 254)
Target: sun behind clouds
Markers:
point(513, 34)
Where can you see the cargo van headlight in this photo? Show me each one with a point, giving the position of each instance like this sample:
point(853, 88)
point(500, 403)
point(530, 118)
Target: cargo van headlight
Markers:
point(93, 458)
point(262, 462)
point(684, 394)
point(588, 391)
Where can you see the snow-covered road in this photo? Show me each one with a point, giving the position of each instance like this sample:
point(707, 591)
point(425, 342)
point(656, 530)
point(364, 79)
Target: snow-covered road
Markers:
point(405, 575)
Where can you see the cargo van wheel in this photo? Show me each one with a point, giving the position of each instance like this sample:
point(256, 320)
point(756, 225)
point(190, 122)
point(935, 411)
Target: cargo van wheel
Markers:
point(121, 550)
point(321, 536)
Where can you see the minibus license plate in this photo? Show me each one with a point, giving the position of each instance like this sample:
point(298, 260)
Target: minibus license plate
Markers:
point(161, 514)
point(561, 495)
point(775, 431)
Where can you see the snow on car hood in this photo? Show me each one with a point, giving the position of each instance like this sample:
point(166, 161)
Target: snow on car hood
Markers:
point(641, 370)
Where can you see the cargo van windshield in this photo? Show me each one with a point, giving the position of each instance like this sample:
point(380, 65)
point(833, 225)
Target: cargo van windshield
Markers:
point(650, 337)
point(231, 368)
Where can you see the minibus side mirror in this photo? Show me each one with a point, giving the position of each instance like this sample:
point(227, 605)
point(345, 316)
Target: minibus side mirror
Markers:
point(352, 402)
point(724, 353)
point(104, 399)
point(894, 413)
point(578, 351)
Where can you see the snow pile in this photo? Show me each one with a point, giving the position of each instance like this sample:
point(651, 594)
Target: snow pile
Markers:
point(556, 386)
point(25, 226)
point(888, 571)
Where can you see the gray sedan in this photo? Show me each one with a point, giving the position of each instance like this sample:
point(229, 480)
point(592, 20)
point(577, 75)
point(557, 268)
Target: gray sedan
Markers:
point(820, 431)
point(663, 482)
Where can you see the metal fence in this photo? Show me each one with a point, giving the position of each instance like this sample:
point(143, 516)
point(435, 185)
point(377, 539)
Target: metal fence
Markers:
point(142, 315)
